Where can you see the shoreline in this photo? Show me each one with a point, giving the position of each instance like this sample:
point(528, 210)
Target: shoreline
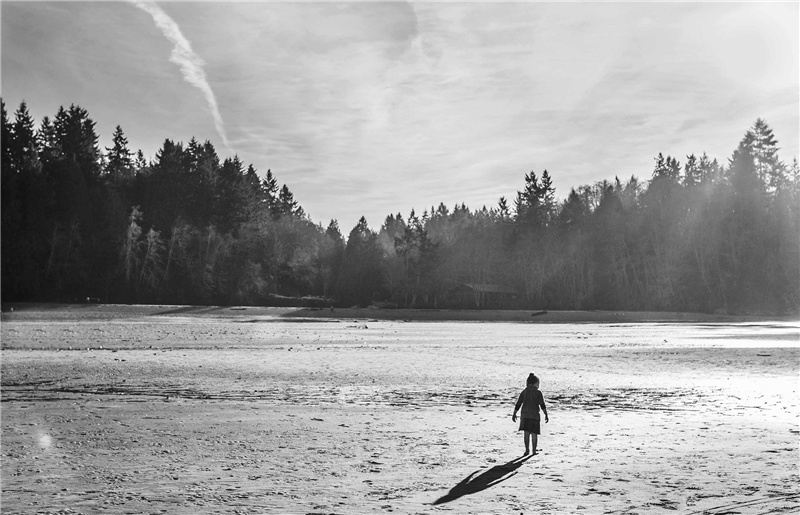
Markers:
point(51, 312)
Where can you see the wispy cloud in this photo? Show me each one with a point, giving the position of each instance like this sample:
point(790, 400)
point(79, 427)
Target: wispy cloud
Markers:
point(374, 108)
point(190, 63)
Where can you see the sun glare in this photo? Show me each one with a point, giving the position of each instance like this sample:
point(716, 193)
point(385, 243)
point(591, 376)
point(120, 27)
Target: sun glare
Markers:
point(45, 441)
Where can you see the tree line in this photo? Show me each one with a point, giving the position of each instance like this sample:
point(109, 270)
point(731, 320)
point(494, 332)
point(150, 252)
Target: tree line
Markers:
point(188, 227)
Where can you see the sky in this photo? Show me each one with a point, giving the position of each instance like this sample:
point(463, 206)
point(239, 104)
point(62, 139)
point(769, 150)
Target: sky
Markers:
point(371, 109)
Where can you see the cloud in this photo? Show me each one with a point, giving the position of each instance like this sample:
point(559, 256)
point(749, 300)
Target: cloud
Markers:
point(372, 108)
point(190, 63)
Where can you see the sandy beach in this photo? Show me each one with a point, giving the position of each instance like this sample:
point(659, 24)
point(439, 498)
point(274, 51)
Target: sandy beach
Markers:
point(171, 409)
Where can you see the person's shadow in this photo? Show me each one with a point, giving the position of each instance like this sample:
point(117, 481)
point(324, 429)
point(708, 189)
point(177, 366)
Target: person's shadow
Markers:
point(473, 484)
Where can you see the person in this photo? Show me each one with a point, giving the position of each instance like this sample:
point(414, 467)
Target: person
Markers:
point(530, 400)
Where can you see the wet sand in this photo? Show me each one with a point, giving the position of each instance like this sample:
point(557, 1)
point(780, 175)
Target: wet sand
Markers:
point(169, 409)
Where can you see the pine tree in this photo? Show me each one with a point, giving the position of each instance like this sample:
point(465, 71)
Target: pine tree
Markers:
point(77, 139)
point(763, 146)
point(709, 170)
point(503, 211)
point(5, 136)
point(748, 246)
point(574, 211)
point(691, 172)
point(24, 147)
point(269, 193)
point(231, 204)
point(252, 180)
point(417, 257)
point(287, 206)
point(11, 205)
point(668, 168)
point(48, 141)
point(330, 258)
point(535, 204)
point(205, 181)
point(192, 155)
point(362, 278)
point(527, 199)
point(120, 164)
point(140, 163)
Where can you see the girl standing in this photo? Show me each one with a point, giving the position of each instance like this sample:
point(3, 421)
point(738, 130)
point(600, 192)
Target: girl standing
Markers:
point(531, 399)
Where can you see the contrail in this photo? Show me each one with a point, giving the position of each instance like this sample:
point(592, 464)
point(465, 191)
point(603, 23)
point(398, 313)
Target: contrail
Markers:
point(190, 63)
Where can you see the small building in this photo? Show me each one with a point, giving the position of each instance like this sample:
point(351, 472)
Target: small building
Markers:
point(480, 296)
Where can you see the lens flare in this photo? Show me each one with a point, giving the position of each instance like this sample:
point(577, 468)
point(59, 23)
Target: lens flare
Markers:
point(45, 441)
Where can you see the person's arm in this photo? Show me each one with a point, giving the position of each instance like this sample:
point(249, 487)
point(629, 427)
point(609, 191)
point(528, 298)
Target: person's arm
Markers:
point(544, 408)
point(517, 406)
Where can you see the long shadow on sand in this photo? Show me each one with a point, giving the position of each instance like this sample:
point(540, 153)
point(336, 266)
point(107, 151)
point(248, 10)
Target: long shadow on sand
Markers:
point(473, 484)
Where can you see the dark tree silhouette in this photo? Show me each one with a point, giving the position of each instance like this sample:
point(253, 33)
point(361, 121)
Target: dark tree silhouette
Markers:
point(190, 227)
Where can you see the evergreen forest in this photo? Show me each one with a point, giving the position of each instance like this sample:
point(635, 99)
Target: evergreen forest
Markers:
point(190, 227)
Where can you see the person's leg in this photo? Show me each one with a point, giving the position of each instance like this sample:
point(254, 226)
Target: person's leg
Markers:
point(527, 437)
point(534, 441)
